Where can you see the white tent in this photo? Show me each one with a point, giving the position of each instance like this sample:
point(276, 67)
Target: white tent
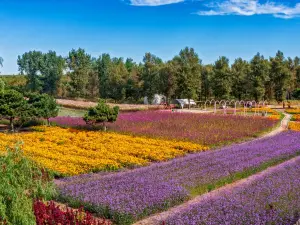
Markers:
point(185, 102)
point(157, 100)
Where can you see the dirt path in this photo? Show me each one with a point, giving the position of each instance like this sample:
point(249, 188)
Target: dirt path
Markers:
point(283, 126)
point(157, 219)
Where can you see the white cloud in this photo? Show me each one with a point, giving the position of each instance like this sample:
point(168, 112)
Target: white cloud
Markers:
point(251, 7)
point(154, 2)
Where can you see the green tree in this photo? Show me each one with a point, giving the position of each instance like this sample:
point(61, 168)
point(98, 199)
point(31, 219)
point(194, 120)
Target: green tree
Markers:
point(117, 79)
point(93, 82)
point(188, 74)
point(150, 75)
point(43, 106)
point(2, 86)
point(79, 64)
point(102, 113)
point(292, 83)
point(30, 64)
point(259, 77)
point(133, 84)
point(298, 77)
point(168, 80)
point(104, 70)
point(240, 85)
point(206, 85)
point(222, 79)
point(130, 64)
point(52, 67)
point(280, 74)
point(14, 107)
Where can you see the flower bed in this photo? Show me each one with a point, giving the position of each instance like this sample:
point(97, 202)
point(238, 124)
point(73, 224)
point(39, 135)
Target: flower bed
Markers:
point(272, 198)
point(128, 196)
point(296, 117)
point(205, 129)
point(294, 126)
point(50, 213)
point(293, 111)
point(70, 151)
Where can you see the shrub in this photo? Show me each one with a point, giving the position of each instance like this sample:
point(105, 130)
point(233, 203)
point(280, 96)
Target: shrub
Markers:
point(52, 214)
point(20, 182)
point(13, 107)
point(43, 106)
point(101, 113)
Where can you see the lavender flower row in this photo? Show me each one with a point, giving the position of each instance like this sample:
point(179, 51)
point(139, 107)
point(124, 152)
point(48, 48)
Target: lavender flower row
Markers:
point(146, 190)
point(271, 198)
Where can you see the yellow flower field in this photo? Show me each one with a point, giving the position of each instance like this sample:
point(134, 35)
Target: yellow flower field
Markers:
point(294, 126)
point(293, 111)
point(268, 110)
point(296, 117)
point(274, 117)
point(71, 152)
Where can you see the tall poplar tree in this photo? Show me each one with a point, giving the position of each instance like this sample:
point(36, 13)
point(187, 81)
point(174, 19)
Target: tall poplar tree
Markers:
point(188, 74)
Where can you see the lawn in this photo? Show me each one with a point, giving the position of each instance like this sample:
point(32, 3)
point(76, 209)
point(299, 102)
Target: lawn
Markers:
point(71, 112)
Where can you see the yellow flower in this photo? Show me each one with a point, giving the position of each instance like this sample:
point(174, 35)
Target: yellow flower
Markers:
point(294, 126)
point(296, 117)
point(274, 117)
point(71, 152)
point(293, 111)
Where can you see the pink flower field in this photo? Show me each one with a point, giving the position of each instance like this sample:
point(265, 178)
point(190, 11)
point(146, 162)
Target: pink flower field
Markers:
point(208, 129)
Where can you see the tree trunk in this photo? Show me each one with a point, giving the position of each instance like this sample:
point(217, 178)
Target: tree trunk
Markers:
point(11, 122)
point(189, 103)
point(48, 121)
point(104, 127)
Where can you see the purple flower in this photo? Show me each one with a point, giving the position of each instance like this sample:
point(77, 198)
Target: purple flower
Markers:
point(146, 190)
point(270, 198)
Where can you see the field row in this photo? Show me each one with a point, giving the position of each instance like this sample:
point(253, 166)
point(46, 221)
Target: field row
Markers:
point(129, 196)
point(270, 198)
point(205, 129)
point(71, 152)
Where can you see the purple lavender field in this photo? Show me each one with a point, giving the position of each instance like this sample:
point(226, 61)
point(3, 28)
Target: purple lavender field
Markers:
point(144, 191)
point(270, 198)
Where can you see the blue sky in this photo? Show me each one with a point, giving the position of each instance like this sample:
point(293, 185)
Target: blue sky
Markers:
point(129, 28)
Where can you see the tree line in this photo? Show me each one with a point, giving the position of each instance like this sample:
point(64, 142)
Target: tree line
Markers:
point(79, 75)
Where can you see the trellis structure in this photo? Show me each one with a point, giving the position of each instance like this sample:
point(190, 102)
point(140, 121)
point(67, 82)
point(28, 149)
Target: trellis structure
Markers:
point(226, 103)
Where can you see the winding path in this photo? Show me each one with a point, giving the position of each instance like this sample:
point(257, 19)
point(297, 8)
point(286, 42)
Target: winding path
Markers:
point(283, 126)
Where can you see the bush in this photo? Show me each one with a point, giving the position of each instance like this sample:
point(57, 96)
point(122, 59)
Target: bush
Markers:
point(43, 106)
point(13, 107)
point(52, 214)
point(101, 113)
point(21, 181)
